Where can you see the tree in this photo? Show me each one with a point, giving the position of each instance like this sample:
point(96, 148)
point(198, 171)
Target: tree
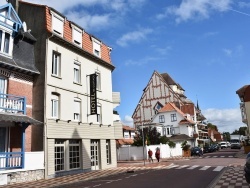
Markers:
point(211, 126)
point(171, 145)
point(150, 134)
point(226, 136)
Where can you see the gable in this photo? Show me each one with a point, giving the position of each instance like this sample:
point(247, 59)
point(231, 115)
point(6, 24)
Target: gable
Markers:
point(9, 18)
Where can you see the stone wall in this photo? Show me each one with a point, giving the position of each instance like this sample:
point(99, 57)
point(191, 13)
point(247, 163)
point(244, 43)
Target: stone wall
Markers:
point(25, 176)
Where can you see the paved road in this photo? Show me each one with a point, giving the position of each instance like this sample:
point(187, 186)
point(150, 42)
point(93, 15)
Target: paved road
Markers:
point(173, 176)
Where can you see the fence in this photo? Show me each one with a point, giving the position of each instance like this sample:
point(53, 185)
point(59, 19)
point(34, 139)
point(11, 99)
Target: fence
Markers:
point(127, 152)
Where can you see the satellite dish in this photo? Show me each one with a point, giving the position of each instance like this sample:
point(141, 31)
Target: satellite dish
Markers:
point(24, 27)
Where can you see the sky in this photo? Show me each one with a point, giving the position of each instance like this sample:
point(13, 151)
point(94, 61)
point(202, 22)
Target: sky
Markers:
point(203, 45)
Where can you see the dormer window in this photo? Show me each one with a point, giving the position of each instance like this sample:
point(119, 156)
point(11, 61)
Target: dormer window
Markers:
point(157, 107)
point(57, 23)
point(77, 35)
point(6, 42)
point(96, 47)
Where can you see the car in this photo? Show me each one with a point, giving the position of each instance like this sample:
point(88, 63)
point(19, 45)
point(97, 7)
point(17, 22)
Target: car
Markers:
point(208, 149)
point(196, 151)
point(235, 144)
point(223, 145)
point(228, 144)
point(216, 147)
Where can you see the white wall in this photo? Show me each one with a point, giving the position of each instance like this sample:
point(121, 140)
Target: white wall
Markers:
point(136, 153)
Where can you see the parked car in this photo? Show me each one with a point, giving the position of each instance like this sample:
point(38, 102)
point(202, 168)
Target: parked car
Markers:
point(235, 144)
point(216, 147)
point(228, 144)
point(223, 145)
point(208, 149)
point(196, 151)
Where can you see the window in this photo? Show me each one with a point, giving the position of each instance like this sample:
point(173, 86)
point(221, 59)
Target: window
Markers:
point(173, 117)
point(3, 88)
point(56, 63)
point(57, 24)
point(157, 107)
point(59, 155)
point(161, 119)
point(6, 42)
point(108, 152)
point(77, 109)
point(55, 106)
point(77, 35)
point(74, 154)
point(96, 47)
point(98, 81)
point(98, 115)
point(77, 73)
point(67, 155)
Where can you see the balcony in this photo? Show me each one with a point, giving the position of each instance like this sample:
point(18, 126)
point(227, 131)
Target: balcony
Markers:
point(11, 160)
point(12, 104)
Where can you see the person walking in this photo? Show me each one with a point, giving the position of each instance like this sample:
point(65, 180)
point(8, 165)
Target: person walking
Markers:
point(157, 154)
point(150, 154)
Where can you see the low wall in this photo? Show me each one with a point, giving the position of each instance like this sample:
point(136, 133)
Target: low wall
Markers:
point(33, 170)
point(127, 152)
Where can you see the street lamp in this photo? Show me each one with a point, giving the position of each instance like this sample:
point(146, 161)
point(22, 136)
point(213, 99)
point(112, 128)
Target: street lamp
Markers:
point(142, 136)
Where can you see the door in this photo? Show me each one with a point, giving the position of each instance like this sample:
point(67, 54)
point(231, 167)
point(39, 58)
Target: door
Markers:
point(94, 151)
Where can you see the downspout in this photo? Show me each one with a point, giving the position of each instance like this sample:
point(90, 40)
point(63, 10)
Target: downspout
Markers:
point(45, 110)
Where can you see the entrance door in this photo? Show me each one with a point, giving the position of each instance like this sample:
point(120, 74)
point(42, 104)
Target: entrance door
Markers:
point(94, 150)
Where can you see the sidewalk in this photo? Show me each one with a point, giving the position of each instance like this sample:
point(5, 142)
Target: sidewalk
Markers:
point(233, 176)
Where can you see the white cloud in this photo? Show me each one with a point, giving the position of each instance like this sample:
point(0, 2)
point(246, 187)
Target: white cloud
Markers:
point(134, 37)
point(195, 9)
point(227, 120)
point(128, 121)
point(228, 52)
point(141, 61)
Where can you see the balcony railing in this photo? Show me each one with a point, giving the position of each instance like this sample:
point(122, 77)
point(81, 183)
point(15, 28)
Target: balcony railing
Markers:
point(11, 160)
point(12, 104)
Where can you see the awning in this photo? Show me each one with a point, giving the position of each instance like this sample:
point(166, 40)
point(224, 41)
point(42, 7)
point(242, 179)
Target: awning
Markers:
point(18, 118)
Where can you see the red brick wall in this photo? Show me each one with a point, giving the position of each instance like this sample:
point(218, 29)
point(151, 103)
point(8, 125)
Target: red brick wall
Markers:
point(20, 89)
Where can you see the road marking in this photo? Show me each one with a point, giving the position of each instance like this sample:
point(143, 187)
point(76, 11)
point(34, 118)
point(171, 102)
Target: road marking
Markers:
point(97, 185)
point(230, 156)
point(215, 156)
point(193, 167)
point(184, 166)
point(218, 168)
point(207, 157)
point(172, 166)
point(222, 156)
point(205, 167)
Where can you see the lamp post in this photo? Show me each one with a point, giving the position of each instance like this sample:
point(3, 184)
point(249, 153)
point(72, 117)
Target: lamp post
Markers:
point(142, 137)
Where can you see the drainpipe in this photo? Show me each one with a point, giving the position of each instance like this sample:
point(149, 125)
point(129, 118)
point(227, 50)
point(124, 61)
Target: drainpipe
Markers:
point(45, 110)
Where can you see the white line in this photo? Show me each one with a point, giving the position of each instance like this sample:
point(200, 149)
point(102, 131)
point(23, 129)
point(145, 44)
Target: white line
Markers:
point(205, 167)
point(218, 168)
point(97, 185)
point(172, 166)
point(230, 156)
point(207, 157)
point(193, 167)
point(215, 156)
point(222, 156)
point(184, 166)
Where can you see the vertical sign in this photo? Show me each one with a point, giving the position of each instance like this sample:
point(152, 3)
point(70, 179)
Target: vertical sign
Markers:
point(93, 101)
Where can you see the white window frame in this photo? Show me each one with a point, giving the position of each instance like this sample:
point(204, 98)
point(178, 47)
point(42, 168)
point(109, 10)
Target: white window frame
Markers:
point(98, 80)
point(3, 52)
point(69, 155)
point(57, 23)
point(161, 119)
point(56, 64)
point(77, 72)
point(77, 35)
point(173, 117)
point(77, 109)
point(96, 47)
point(55, 99)
point(75, 158)
point(99, 113)
point(108, 151)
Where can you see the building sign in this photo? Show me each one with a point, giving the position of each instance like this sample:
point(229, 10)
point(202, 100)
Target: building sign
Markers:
point(93, 100)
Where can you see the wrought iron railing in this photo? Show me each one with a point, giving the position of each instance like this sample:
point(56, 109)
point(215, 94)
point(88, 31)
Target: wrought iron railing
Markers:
point(11, 160)
point(12, 103)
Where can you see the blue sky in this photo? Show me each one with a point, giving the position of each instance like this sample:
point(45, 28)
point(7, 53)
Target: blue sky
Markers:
point(202, 44)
